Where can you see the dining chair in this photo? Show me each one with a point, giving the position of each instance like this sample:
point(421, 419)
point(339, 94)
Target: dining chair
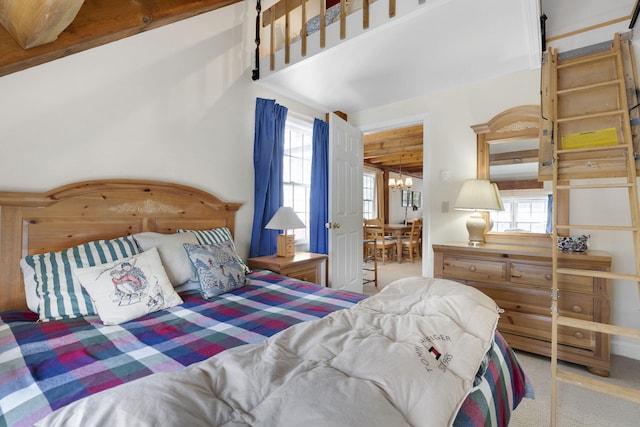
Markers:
point(370, 238)
point(383, 248)
point(412, 241)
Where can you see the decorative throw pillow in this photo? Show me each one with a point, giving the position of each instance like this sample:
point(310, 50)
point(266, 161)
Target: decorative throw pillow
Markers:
point(217, 235)
point(171, 250)
point(573, 243)
point(218, 268)
point(60, 293)
point(129, 288)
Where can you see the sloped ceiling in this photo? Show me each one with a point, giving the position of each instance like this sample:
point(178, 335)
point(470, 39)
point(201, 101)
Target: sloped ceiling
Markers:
point(454, 42)
point(457, 42)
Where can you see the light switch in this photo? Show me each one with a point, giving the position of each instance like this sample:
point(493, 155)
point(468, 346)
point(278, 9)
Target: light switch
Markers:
point(445, 175)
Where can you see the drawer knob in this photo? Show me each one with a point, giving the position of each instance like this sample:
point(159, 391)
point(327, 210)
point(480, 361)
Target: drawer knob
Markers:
point(548, 276)
point(472, 268)
point(579, 335)
point(576, 309)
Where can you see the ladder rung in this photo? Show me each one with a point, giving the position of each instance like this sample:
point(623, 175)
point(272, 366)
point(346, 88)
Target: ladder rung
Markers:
point(589, 87)
point(598, 227)
point(595, 149)
point(598, 273)
point(586, 60)
point(591, 116)
point(599, 327)
point(592, 186)
point(599, 386)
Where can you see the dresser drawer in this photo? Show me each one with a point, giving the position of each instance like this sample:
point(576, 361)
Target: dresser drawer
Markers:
point(542, 275)
point(531, 274)
point(534, 326)
point(535, 301)
point(474, 269)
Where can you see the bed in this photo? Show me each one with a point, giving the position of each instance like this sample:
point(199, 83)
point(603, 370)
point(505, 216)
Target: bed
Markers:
point(54, 365)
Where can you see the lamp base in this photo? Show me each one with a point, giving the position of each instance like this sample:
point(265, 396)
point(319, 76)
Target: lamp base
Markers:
point(476, 226)
point(286, 245)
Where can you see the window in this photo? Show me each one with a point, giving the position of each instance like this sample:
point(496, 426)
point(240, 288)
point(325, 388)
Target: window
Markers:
point(527, 213)
point(296, 177)
point(369, 196)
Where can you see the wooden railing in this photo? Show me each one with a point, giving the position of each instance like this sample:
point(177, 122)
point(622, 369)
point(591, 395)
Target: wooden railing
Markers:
point(287, 8)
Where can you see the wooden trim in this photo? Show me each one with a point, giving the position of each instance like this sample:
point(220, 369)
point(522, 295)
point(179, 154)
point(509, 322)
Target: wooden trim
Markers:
point(99, 23)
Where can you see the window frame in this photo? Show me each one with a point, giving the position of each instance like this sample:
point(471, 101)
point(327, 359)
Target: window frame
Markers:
point(292, 186)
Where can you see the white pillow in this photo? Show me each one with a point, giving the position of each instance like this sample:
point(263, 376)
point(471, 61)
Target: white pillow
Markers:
point(30, 285)
point(128, 288)
point(172, 253)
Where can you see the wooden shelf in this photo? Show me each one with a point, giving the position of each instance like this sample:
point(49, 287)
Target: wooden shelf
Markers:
point(99, 23)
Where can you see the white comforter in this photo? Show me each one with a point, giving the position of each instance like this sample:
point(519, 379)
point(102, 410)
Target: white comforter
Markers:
point(407, 356)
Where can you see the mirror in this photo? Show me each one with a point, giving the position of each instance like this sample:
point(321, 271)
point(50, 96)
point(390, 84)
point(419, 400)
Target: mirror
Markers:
point(507, 154)
point(514, 164)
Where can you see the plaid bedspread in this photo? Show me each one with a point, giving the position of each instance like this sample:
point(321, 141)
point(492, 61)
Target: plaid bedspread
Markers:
point(44, 366)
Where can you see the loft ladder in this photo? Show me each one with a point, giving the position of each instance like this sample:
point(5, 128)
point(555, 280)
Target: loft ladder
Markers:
point(584, 91)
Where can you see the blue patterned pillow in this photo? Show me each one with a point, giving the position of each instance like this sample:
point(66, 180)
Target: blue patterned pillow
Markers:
point(216, 235)
point(61, 295)
point(218, 268)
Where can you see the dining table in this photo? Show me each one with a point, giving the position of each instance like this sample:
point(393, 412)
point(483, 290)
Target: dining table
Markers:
point(396, 231)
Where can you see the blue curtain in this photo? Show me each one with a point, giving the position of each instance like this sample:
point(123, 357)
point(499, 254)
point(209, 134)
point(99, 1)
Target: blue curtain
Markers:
point(550, 214)
point(319, 197)
point(268, 149)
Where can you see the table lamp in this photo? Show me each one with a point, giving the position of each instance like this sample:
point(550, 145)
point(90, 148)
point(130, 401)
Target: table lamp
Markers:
point(285, 219)
point(478, 195)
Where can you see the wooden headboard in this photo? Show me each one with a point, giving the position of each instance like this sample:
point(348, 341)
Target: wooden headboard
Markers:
point(85, 211)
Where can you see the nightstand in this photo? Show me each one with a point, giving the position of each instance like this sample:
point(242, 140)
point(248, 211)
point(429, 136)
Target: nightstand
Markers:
point(305, 266)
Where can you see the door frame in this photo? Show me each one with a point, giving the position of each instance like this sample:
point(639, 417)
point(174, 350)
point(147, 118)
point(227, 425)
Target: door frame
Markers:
point(427, 253)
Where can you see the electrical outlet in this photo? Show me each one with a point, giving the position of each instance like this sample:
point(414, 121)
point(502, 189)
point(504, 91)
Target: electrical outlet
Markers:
point(445, 206)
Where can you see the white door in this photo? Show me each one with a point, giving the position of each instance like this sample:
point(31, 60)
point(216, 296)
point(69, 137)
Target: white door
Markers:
point(345, 205)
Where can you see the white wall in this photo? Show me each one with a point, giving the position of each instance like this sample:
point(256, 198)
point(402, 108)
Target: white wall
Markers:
point(173, 104)
point(450, 143)
point(396, 211)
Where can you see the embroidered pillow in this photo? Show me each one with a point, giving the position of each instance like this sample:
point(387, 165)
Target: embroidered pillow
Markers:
point(217, 267)
point(60, 294)
point(217, 235)
point(171, 250)
point(129, 288)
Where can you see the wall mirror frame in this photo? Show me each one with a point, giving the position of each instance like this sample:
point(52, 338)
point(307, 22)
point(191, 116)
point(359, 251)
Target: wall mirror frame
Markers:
point(514, 124)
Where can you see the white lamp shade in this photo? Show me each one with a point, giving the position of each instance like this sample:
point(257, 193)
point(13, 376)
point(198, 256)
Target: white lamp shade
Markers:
point(392, 182)
point(479, 195)
point(285, 219)
point(408, 182)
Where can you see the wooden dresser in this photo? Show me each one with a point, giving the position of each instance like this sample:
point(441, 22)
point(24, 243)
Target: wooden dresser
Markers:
point(519, 279)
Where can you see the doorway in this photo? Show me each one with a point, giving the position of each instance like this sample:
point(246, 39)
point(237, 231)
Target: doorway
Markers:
point(398, 148)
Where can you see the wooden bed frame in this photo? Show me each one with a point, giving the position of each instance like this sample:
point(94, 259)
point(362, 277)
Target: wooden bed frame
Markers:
point(103, 209)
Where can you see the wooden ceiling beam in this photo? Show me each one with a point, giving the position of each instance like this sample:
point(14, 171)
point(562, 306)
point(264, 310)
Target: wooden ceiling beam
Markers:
point(371, 151)
point(393, 134)
point(399, 143)
point(98, 23)
point(514, 157)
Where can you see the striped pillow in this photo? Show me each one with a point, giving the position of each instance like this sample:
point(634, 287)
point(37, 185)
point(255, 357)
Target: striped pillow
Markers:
point(216, 235)
point(61, 295)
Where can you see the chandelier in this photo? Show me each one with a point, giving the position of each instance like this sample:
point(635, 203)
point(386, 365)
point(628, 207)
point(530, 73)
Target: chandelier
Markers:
point(400, 183)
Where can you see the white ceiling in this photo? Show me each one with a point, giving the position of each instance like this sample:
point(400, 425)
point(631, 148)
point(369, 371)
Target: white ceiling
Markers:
point(434, 48)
